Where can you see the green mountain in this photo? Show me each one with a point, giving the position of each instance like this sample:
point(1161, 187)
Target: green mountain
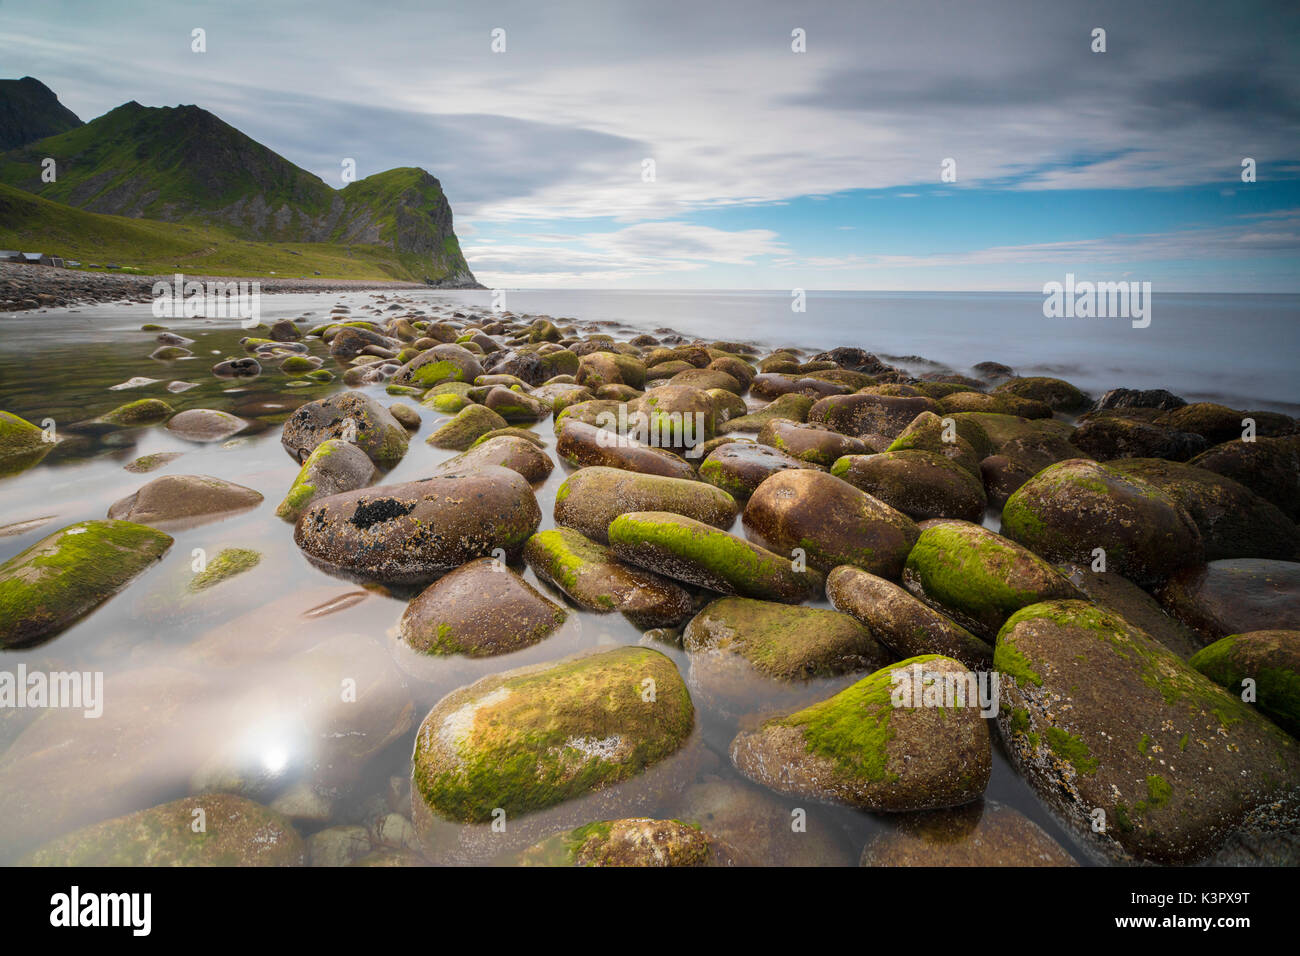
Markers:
point(183, 165)
point(29, 111)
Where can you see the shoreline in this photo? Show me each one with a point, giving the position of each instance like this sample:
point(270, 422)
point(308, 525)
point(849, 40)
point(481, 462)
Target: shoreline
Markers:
point(26, 288)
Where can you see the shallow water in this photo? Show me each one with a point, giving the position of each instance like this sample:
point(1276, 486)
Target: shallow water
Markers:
point(223, 679)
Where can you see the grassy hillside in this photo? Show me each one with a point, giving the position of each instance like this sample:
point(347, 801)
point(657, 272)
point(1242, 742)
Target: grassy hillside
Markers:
point(32, 224)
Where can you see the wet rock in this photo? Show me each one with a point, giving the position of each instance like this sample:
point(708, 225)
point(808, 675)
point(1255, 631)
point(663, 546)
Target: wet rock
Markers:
point(791, 407)
point(977, 577)
point(147, 463)
point(979, 834)
point(228, 563)
point(481, 609)
point(205, 425)
point(410, 533)
point(857, 748)
point(1271, 659)
point(184, 501)
point(855, 360)
point(1175, 769)
point(338, 846)
point(168, 353)
point(706, 378)
point(582, 445)
point(1270, 467)
point(590, 576)
point(1235, 596)
point(900, 621)
point(405, 415)
point(610, 368)
point(632, 842)
point(64, 576)
point(831, 521)
point(920, 484)
point(1218, 423)
point(144, 411)
point(507, 451)
point(738, 468)
point(929, 432)
point(245, 367)
point(1107, 439)
point(442, 363)
point(22, 444)
point(692, 551)
point(591, 498)
point(284, 331)
point(528, 739)
point(1058, 395)
point(237, 832)
point(1233, 521)
point(470, 424)
point(999, 404)
point(862, 415)
point(1140, 398)
point(333, 467)
point(1120, 596)
point(816, 444)
point(515, 406)
point(1070, 509)
point(350, 416)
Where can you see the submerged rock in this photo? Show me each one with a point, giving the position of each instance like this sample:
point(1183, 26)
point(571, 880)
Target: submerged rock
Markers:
point(632, 842)
point(1235, 596)
point(857, 748)
point(228, 563)
point(410, 533)
point(61, 578)
point(143, 411)
point(236, 832)
point(22, 444)
point(1175, 767)
point(183, 501)
point(205, 425)
point(979, 834)
point(480, 609)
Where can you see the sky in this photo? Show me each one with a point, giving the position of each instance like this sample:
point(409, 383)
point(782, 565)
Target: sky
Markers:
point(666, 144)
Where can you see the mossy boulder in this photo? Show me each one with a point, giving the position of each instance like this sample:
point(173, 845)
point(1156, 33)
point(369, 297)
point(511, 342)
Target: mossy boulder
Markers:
point(1098, 716)
point(929, 432)
point(637, 841)
point(830, 521)
point(143, 411)
point(860, 749)
point(515, 406)
point(406, 416)
point(410, 533)
point(738, 468)
point(609, 368)
point(205, 425)
point(183, 501)
point(235, 832)
point(481, 609)
point(1111, 437)
point(920, 484)
point(1234, 522)
point(1270, 467)
point(469, 424)
point(742, 650)
point(335, 466)
point(1218, 423)
point(977, 577)
point(1070, 509)
point(591, 498)
point(64, 576)
point(789, 407)
point(351, 416)
point(706, 378)
point(689, 550)
point(583, 445)
point(524, 740)
point(982, 833)
point(868, 414)
point(227, 563)
point(815, 444)
point(22, 444)
point(1235, 596)
point(512, 431)
point(590, 576)
point(901, 622)
point(442, 363)
point(1269, 658)
point(677, 416)
point(508, 451)
point(1001, 403)
point(1056, 394)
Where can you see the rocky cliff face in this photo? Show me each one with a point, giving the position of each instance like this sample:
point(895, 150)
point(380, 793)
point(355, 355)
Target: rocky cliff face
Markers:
point(29, 111)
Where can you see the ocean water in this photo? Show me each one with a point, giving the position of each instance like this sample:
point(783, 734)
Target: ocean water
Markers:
point(1239, 350)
